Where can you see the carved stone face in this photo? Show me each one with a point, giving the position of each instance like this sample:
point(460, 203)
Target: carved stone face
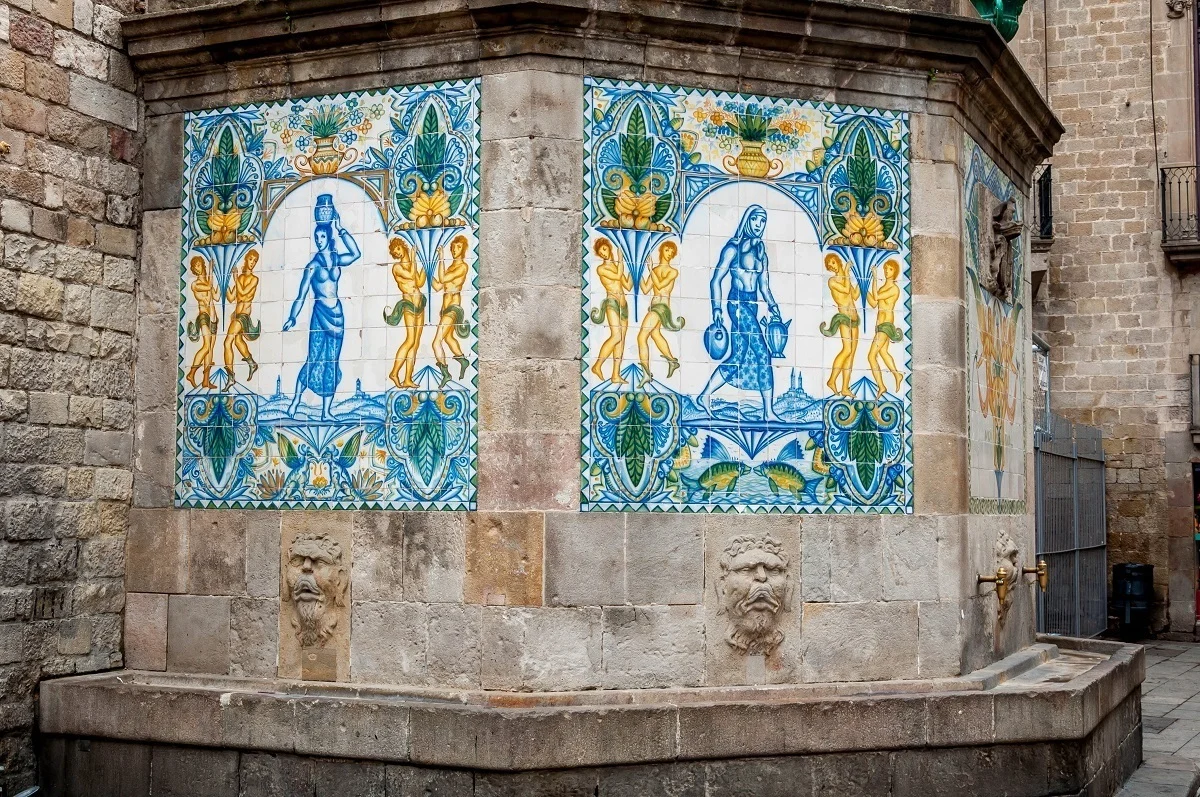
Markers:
point(1006, 553)
point(316, 580)
point(754, 589)
point(998, 229)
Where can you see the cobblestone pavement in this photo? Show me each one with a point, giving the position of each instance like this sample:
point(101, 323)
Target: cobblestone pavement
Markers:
point(1170, 721)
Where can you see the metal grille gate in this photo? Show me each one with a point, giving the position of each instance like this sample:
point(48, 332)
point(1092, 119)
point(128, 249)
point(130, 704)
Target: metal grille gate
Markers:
point(1071, 533)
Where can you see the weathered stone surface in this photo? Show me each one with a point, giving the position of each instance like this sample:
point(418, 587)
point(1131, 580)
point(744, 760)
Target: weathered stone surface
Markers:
point(378, 556)
point(253, 637)
point(316, 560)
point(855, 559)
point(541, 649)
point(505, 335)
point(940, 473)
point(434, 556)
point(390, 641)
point(153, 454)
point(376, 730)
point(859, 641)
point(157, 362)
point(216, 552)
point(937, 333)
point(664, 559)
point(158, 276)
point(179, 771)
point(532, 103)
point(268, 774)
point(937, 266)
point(454, 654)
point(145, 631)
point(528, 171)
point(104, 768)
point(530, 246)
point(262, 553)
point(105, 447)
point(524, 395)
point(102, 101)
point(653, 646)
point(585, 559)
point(763, 777)
point(198, 634)
point(940, 642)
point(504, 558)
point(935, 207)
point(419, 782)
point(528, 471)
point(162, 183)
point(938, 404)
point(909, 550)
point(156, 552)
point(350, 777)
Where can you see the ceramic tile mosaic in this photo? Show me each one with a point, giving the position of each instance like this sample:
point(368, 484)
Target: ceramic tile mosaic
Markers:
point(746, 336)
point(328, 309)
point(997, 335)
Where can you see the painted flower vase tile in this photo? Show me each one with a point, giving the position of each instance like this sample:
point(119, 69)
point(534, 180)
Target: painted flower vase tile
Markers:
point(328, 313)
point(746, 335)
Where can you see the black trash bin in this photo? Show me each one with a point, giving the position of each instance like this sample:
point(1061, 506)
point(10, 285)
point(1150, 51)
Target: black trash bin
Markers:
point(1133, 597)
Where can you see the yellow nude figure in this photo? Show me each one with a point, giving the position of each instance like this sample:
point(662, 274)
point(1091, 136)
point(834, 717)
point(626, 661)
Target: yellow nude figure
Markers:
point(241, 292)
point(884, 298)
point(615, 309)
point(205, 327)
point(659, 282)
point(449, 279)
point(410, 279)
point(845, 293)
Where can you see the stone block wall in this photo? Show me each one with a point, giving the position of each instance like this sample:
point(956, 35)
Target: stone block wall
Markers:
point(69, 218)
point(1115, 312)
point(528, 593)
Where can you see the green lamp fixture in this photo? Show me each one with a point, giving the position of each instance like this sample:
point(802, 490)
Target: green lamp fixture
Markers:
point(1004, 14)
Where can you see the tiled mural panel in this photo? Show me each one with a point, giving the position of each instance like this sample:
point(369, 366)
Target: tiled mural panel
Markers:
point(328, 308)
point(746, 336)
point(997, 335)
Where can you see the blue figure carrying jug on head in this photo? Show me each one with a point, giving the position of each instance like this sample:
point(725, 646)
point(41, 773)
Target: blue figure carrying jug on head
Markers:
point(322, 369)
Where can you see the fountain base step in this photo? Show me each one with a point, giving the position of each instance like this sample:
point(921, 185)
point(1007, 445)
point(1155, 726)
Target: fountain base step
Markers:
point(1061, 719)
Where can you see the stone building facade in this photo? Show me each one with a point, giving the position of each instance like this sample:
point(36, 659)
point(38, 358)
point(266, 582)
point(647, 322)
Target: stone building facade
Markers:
point(449, 640)
point(1117, 311)
point(70, 213)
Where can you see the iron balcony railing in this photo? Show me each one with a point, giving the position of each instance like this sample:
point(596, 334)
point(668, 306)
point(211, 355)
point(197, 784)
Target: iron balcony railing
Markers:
point(1042, 222)
point(1179, 204)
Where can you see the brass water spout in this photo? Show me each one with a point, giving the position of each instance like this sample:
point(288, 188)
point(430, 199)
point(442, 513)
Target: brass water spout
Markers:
point(1042, 571)
point(1001, 582)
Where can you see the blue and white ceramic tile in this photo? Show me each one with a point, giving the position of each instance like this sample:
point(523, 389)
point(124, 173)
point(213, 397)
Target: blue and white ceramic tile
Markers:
point(997, 351)
point(746, 335)
point(328, 302)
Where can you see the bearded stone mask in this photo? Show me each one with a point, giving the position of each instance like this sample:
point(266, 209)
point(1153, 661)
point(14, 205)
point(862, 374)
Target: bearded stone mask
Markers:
point(754, 589)
point(316, 581)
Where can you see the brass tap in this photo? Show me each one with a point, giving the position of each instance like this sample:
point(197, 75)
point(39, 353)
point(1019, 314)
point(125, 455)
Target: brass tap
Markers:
point(5, 148)
point(1042, 571)
point(1001, 582)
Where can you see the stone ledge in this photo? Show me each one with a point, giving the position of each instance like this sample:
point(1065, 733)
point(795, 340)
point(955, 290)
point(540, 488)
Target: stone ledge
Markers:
point(1183, 253)
point(1034, 696)
point(187, 58)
